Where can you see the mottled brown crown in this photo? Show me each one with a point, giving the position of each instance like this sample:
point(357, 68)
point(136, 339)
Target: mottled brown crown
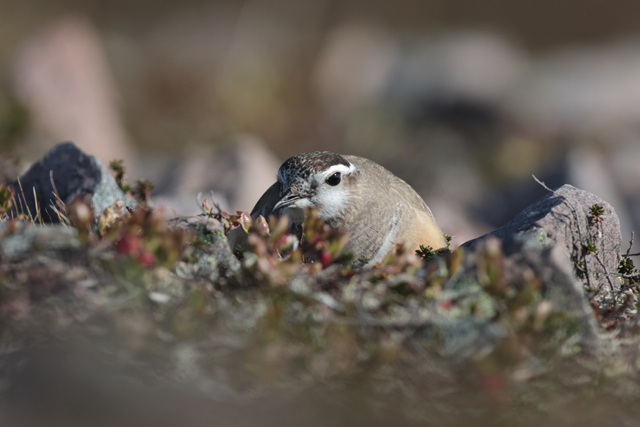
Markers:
point(306, 164)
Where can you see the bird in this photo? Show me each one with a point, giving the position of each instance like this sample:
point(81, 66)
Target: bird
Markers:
point(377, 209)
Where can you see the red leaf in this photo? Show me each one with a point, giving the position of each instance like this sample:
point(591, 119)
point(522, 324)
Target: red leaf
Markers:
point(147, 259)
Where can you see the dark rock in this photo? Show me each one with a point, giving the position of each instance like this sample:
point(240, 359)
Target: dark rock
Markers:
point(74, 174)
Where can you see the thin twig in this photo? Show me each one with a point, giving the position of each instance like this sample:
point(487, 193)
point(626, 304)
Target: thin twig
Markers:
point(21, 211)
point(630, 245)
point(605, 271)
point(543, 184)
point(61, 209)
point(61, 216)
point(25, 201)
point(38, 212)
point(15, 205)
point(53, 184)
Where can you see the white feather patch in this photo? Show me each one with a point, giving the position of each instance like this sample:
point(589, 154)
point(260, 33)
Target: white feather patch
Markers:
point(388, 244)
point(344, 170)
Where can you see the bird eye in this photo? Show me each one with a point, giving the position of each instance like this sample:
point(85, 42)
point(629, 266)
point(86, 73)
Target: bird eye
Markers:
point(334, 179)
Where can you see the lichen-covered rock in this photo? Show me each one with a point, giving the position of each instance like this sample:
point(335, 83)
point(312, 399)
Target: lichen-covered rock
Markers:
point(36, 263)
point(569, 240)
point(533, 282)
point(27, 239)
point(74, 174)
point(215, 261)
point(564, 218)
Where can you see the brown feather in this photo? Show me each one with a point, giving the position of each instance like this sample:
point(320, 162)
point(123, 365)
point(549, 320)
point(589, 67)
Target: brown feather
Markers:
point(372, 217)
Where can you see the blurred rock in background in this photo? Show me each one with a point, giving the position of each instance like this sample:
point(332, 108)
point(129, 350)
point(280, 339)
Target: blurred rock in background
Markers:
point(465, 100)
point(61, 76)
point(353, 66)
point(237, 174)
point(581, 90)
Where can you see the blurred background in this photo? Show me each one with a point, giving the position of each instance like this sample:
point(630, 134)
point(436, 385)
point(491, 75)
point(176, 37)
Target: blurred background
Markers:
point(463, 99)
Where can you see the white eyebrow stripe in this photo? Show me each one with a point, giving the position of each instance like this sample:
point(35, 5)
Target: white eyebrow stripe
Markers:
point(345, 170)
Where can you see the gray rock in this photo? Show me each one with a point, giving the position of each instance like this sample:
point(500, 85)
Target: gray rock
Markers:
point(74, 174)
point(512, 271)
point(215, 261)
point(563, 218)
point(546, 241)
point(46, 239)
point(581, 90)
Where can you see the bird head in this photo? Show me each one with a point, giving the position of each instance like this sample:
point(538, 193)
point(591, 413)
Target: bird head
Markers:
point(322, 180)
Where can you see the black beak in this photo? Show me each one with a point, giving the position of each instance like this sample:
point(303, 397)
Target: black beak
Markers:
point(288, 199)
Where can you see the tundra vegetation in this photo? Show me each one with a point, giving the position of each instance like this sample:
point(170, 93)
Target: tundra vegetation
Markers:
point(135, 314)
